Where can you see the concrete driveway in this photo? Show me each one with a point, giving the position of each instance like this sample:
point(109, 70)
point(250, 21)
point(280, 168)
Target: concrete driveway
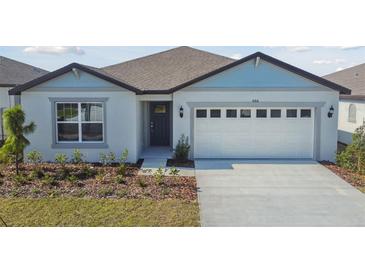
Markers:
point(275, 193)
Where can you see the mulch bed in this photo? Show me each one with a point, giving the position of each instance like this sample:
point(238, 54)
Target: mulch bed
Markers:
point(93, 181)
point(352, 178)
point(178, 163)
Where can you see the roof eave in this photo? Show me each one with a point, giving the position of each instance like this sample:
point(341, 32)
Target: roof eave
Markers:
point(17, 90)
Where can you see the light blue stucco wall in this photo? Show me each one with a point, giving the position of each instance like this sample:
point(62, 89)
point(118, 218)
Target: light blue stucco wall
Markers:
point(265, 75)
point(71, 80)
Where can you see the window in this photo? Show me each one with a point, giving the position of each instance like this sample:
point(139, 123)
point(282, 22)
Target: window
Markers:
point(231, 113)
point(291, 113)
point(245, 113)
point(261, 113)
point(215, 113)
point(305, 113)
point(352, 113)
point(79, 122)
point(159, 109)
point(201, 113)
point(275, 113)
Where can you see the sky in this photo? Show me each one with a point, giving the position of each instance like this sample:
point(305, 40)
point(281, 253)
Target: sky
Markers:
point(318, 60)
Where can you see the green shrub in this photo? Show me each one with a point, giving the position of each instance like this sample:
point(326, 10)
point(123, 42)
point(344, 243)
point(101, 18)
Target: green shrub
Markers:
point(159, 175)
point(72, 179)
point(119, 179)
point(106, 158)
point(105, 192)
point(85, 172)
point(35, 191)
point(36, 174)
point(174, 171)
point(34, 157)
point(49, 180)
point(353, 156)
point(121, 193)
point(141, 182)
point(122, 169)
point(182, 149)
point(61, 158)
point(77, 156)
point(20, 179)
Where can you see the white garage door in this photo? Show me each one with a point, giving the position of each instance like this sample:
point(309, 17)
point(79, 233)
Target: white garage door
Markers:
point(253, 132)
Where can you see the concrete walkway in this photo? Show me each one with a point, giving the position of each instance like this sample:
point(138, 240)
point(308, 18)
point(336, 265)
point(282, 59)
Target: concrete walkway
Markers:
point(156, 157)
point(275, 193)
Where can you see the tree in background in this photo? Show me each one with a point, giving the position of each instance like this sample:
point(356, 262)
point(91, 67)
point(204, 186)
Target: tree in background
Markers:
point(14, 145)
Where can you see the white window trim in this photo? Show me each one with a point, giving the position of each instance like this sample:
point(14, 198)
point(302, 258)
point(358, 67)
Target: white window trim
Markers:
point(79, 122)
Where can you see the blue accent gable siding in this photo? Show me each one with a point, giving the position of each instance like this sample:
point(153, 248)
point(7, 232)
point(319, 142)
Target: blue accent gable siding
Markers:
point(265, 75)
point(70, 80)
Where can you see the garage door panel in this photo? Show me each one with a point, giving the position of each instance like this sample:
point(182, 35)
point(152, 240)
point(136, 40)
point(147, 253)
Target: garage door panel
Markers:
point(254, 137)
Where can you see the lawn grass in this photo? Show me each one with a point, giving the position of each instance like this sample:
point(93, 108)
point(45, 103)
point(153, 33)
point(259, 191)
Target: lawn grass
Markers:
point(97, 212)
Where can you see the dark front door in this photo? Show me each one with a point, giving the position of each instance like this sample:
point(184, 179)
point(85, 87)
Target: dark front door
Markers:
point(159, 124)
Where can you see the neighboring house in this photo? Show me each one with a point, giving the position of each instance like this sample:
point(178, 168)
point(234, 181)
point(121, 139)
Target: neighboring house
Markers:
point(352, 107)
point(256, 107)
point(13, 73)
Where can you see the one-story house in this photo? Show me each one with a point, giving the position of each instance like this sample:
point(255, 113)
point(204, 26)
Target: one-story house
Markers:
point(255, 107)
point(13, 73)
point(351, 106)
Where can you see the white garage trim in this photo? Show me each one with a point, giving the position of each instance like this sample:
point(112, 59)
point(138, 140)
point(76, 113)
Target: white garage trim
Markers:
point(316, 111)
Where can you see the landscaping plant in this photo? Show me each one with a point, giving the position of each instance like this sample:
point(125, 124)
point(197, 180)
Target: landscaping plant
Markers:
point(35, 158)
point(159, 175)
point(14, 145)
point(174, 171)
point(106, 159)
point(353, 156)
point(61, 159)
point(122, 163)
point(77, 156)
point(182, 149)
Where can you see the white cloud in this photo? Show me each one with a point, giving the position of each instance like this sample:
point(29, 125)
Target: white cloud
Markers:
point(351, 47)
point(327, 62)
point(339, 68)
point(299, 49)
point(236, 56)
point(55, 50)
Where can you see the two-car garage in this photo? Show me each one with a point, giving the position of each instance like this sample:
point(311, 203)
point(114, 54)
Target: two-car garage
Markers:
point(260, 132)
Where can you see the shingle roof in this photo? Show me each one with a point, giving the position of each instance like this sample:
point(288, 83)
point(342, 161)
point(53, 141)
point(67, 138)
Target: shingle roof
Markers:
point(171, 70)
point(167, 69)
point(352, 78)
point(15, 73)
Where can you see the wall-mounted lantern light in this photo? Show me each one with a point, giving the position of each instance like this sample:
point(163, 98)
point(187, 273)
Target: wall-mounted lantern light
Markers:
point(181, 112)
point(330, 112)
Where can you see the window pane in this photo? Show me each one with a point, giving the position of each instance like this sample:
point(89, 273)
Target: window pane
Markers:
point(305, 113)
point(201, 113)
point(261, 113)
point(67, 112)
point(92, 132)
point(245, 113)
point(68, 132)
point(159, 109)
point(291, 113)
point(92, 112)
point(231, 113)
point(275, 113)
point(215, 113)
point(352, 113)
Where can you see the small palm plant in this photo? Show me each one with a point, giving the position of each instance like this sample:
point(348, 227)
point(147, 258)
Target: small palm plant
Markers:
point(15, 143)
